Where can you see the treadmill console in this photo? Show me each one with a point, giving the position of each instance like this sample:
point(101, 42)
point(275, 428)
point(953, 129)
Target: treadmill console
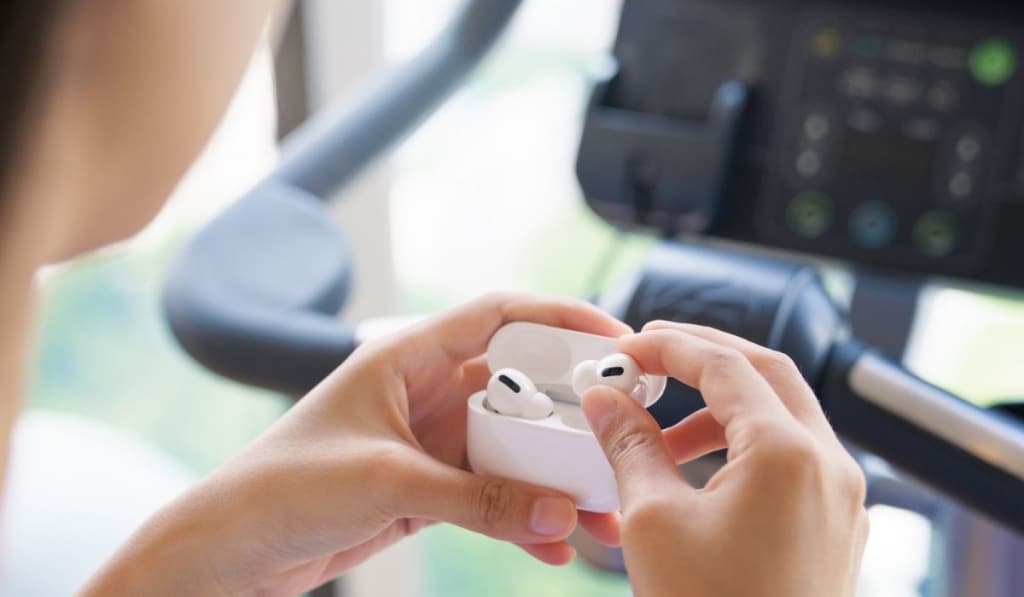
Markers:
point(887, 134)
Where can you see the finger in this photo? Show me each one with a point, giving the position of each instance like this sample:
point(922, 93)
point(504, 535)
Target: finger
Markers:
point(499, 508)
point(632, 442)
point(556, 554)
point(603, 527)
point(463, 332)
point(475, 375)
point(733, 390)
point(695, 436)
point(777, 368)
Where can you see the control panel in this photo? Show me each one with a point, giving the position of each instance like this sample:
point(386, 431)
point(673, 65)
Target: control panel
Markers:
point(888, 134)
point(892, 141)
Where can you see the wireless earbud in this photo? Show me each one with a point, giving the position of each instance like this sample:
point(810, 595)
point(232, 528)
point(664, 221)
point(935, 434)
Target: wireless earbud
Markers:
point(618, 371)
point(510, 392)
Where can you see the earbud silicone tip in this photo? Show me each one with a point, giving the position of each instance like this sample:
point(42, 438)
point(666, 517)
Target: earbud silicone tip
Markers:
point(538, 406)
point(584, 377)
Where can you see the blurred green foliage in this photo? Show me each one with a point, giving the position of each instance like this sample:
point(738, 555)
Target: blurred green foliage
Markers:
point(105, 351)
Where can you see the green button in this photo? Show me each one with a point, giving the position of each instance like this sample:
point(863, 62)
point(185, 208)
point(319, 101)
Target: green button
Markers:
point(810, 214)
point(935, 233)
point(993, 61)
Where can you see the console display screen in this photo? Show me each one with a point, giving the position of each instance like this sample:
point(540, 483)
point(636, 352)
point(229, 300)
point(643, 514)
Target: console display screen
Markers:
point(894, 159)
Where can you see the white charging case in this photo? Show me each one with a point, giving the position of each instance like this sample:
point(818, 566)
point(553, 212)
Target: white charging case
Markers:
point(560, 451)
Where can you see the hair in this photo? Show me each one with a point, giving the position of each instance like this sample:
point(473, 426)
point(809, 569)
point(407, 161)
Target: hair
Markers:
point(25, 28)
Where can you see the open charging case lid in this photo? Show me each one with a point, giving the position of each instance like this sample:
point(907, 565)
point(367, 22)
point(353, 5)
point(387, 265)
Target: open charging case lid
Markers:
point(548, 356)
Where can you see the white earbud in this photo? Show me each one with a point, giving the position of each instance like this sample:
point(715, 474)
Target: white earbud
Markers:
point(510, 392)
point(618, 371)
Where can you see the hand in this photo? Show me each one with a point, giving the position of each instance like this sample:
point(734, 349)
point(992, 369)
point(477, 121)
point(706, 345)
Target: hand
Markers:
point(784, 517)
point(374, 453)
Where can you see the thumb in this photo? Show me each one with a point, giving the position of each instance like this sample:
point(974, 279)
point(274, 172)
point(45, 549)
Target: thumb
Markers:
point(500, 508)
point(633, 444)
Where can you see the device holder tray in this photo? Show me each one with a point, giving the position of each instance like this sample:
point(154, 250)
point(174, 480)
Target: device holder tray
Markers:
point(658, 171)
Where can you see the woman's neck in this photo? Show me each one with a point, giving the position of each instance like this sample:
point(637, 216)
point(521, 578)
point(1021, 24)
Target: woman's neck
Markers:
point(16, 300)
point(28, 236)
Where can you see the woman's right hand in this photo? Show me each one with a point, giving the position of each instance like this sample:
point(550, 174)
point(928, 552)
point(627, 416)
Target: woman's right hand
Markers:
point(784, 517)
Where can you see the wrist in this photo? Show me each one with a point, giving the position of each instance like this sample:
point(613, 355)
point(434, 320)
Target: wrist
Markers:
point(169, 555)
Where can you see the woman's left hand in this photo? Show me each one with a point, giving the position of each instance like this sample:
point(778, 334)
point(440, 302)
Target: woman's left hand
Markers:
point(373, 454)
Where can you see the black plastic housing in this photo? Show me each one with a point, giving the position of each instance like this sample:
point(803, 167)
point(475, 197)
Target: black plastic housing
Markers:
point(255, 296)
point(779, 305)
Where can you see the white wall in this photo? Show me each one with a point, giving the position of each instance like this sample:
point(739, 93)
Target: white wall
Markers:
point(344, 47)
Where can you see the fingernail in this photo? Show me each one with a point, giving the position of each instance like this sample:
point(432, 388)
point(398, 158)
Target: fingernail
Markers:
point(598, 407)
point(551, 516)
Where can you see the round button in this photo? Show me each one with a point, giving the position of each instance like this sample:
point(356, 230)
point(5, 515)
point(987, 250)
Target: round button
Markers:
point(859, 83)
point(993, 61)
point(967, 148)
point(826, 42)
point(810, 214)
point(816, 127)
point(961, 185)
point(872, 225)
point(808, 163)
point(935, 233)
